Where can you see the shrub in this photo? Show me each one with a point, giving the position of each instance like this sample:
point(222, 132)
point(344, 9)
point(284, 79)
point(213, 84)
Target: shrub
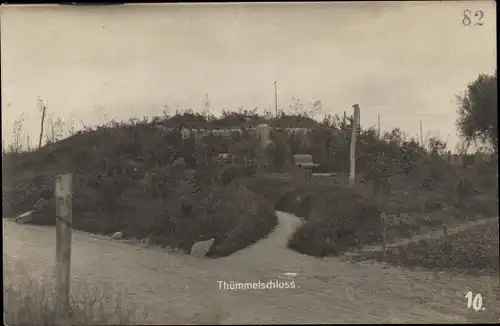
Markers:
point(486, 205)
point(244, 217)
point(232, 172)
point(314, 238)
point(473, 250)
point(338, 221)
point(379, 172)
point(272, 188)
point(428, 182)
point(437, 169)
point(464, 188)
point(292, 202)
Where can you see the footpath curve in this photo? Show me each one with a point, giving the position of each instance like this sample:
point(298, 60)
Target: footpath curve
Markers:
point(174, 286)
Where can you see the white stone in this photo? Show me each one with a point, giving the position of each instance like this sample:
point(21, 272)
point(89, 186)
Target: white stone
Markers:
point(25, 217)
point(201, 248)
point(117, 236)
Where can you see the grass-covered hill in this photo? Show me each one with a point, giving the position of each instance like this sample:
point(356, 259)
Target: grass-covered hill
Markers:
point(141, 178)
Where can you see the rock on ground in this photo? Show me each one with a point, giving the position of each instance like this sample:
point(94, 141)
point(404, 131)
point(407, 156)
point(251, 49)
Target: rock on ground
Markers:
point(25, 217)
point(201, 248)
point(117, 236)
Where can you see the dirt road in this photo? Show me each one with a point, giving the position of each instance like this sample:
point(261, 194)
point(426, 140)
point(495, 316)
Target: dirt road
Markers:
point(330, 290)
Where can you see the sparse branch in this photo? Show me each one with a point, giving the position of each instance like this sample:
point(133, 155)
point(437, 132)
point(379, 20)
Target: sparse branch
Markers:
point(16, 145)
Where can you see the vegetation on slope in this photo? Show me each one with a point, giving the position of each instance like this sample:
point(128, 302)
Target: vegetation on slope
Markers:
point(144, 182)
point(128, 180)
point(417, 187)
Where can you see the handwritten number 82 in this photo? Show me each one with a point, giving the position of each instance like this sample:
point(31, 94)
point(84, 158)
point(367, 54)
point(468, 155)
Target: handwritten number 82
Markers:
point(467, 20)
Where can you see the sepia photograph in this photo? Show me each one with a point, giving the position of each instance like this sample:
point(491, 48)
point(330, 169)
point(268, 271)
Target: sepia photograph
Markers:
point(250, 163)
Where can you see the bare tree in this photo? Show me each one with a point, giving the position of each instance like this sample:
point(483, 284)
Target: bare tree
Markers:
point(71, 124)
point(17, 145)
point(56, 129)
point(317, 108)
point(28, 143)
point(166, 111)
point(206, 109)
point(268, 114)
point(43, 109)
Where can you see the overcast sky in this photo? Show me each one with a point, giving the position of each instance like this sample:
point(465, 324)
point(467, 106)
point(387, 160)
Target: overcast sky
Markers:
point(404, 61)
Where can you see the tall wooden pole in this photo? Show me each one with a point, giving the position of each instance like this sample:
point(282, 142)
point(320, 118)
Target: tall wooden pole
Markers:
point(358, 121)
point(43, 108)
point(276, 98)
point(352, 172)
point(64, 219)
point(378, 123)
point(421, 134)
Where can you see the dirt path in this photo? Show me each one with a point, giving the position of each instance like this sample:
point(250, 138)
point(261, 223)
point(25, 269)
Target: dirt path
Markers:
point(328, 290)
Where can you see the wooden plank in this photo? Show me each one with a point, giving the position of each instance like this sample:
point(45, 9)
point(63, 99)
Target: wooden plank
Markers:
point(64, 219)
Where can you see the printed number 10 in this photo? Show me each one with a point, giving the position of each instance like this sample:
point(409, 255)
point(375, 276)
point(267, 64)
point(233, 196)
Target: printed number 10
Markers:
point(476, 304)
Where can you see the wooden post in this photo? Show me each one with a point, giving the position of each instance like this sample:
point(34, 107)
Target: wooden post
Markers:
point(43, 108)
point(358, 124)
point(383, 220)
point(276, 98)
point(63, 194)
point(421, 134)
point(352, 172)
point(378, 122)
point(447, 245)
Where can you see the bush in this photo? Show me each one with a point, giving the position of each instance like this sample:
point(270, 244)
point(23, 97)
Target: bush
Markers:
point(473, 250)
point(298, 202)
point(339, 220)
point(428, 182)
point(244, 217)
point(272, 188)
point(314, 238)
point(464, 189)
point(235, 171)
point(486, 205)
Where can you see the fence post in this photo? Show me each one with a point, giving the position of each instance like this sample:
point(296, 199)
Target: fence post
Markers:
point(447, 245)
point(63, 194)
point(352, 154)
point(383, 219)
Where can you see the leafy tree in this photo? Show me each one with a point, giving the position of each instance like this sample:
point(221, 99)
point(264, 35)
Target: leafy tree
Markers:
point(477, 111)
point(411, 153)
point(437, 147)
